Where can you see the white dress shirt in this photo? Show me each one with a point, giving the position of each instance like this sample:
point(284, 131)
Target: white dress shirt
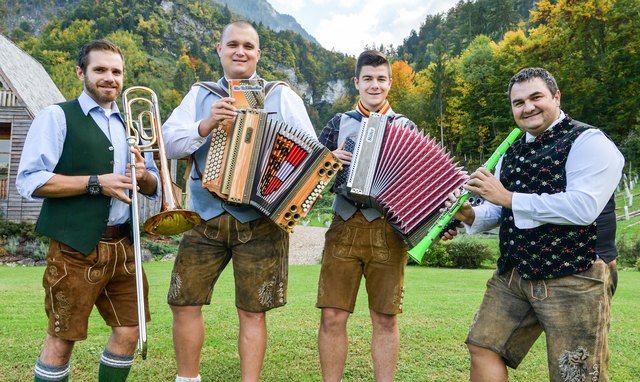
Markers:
point(594, 169)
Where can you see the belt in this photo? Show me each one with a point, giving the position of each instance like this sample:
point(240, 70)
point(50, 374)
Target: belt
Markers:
point(116, 231)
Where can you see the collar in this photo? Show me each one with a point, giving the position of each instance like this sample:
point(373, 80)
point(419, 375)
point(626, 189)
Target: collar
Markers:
point(385, 109)
point(87, 104)
point(529, 137)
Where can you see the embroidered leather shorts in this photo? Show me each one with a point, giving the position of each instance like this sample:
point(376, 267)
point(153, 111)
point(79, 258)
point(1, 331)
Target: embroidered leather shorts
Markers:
point(74, 283)
point(259, 251)
point(356, 248)
point(573, 311)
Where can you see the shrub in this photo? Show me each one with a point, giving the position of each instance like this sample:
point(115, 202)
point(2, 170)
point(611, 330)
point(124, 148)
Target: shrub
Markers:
point(437, 255)
point(628, 252)
point(468, 252)
point(11, 245)
point(25, 231)
point(158, 249)
point(39, 250)
point(638, 264)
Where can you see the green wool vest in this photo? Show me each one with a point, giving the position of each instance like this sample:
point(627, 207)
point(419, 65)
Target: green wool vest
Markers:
point(79, 221)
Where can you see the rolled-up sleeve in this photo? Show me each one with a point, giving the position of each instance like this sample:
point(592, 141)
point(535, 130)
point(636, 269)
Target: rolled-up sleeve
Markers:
point(42, 149)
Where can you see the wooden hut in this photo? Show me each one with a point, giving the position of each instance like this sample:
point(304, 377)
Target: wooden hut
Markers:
point(25, 89)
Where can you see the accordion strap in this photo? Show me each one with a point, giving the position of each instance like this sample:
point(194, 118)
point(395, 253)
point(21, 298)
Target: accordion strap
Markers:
point(214, 88)
point(221, 92)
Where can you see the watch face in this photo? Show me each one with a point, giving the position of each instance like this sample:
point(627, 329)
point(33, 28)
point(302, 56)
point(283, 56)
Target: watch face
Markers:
point(94, 189)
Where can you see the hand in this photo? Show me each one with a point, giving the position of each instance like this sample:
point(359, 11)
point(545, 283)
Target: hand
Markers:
point(141, 169)
point(483, 183)
point(343, 155)
point(221, 111)
point(115, 186)
point(451, 233)
point(465, 213)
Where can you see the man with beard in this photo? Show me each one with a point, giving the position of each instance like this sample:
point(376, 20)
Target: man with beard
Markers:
point(75, 157)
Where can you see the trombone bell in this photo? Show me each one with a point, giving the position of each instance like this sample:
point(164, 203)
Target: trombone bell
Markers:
point(171, 222)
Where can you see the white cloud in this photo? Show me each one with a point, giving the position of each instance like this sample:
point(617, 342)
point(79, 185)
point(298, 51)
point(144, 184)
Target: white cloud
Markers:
point(348, 25)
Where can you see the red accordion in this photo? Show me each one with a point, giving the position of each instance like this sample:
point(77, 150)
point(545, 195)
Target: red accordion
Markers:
point(403, 173)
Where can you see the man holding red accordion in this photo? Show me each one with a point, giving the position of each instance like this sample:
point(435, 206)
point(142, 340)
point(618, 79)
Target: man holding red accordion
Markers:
point(360, 242)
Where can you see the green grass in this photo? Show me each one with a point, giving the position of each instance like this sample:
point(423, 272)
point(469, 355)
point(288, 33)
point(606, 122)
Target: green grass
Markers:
point(439, 305)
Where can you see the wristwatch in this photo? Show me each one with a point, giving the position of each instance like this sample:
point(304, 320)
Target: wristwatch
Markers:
point(93, 186)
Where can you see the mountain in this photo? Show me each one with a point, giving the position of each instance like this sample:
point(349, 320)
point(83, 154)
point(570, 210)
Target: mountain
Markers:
point(261, 11)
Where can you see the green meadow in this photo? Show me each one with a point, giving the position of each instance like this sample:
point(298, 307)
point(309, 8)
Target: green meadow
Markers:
point(439, 305)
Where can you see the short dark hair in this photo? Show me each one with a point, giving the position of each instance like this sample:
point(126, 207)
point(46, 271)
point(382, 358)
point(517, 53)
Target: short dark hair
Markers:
point(528, 74)
point(83, 55)
point(371, 58)
point(239, 24)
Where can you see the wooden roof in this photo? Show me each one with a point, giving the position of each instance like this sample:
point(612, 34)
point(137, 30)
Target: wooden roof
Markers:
point(27, 78)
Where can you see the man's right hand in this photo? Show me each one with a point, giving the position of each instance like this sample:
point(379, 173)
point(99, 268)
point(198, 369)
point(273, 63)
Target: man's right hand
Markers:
point(343, 155)
point(221, 111)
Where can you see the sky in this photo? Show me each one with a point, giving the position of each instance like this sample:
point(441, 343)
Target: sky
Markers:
point(347, 27)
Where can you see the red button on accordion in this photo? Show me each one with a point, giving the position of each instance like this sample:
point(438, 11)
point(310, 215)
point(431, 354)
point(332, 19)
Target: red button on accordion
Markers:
point(402, 173)
point(269, 165)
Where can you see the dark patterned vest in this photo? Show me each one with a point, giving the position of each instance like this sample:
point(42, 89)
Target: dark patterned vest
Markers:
point(548, 250)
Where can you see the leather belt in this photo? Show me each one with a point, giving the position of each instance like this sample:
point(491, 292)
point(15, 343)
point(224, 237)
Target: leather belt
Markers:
point(116, 231)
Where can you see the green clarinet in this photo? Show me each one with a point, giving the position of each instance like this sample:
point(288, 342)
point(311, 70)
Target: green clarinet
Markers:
point(417, 252)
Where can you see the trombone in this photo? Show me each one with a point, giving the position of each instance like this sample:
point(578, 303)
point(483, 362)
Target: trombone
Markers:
point(171, 220)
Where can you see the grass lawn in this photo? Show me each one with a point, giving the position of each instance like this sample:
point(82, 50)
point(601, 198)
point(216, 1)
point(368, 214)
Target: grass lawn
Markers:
point(439, 305)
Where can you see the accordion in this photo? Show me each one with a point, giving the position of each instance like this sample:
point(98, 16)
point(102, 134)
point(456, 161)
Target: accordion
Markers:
point(402, 173)
point(269, 165)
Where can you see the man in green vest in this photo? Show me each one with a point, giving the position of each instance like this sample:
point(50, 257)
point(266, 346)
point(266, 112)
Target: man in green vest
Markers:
point(76, 157)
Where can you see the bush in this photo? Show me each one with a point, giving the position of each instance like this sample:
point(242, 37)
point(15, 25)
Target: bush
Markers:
point(437, 255)
point(11, 245)
point(158, 250)
point(628, 252)
point(25, 231)
point(468, 252)
point(638, 264)
point(37, 250)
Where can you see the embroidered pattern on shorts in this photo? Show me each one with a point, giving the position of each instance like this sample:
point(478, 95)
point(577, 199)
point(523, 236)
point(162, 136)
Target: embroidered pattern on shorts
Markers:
point(62, 312)
point(268, 292)
point(176, 283)
point(573, 365)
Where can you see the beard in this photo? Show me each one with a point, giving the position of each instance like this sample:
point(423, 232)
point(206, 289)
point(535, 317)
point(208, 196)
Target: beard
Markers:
point(100, 96)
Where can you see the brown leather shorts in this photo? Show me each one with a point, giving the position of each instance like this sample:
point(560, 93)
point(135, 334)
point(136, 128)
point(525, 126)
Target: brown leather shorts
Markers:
point(74, 283)
point(356, 248)
point(258, 249)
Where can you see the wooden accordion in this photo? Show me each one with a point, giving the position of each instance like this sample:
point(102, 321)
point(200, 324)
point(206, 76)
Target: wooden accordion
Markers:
point(269, 165)
point(403, 173)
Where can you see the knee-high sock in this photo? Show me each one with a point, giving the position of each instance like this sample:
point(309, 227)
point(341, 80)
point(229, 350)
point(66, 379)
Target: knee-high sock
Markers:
point(114, 368)
point(47, 373)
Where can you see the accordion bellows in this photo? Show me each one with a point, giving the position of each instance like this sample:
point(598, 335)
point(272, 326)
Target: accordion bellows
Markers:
point(269, 165)
point(403, 173)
